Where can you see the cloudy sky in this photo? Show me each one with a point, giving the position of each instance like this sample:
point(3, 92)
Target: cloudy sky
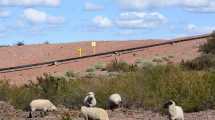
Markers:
point(56, 21)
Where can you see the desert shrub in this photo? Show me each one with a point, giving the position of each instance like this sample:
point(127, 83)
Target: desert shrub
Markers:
point(46, 42)
point(100, 66)
point(67, 117)
point(170, 56)
point(70, 74)
point(206, 61)
point(120, 66)
point(20, 43)
point(166, 59)
point(209, 47)
point(157, 59)
point(141, 63)
point(91, 69)
point(90, 75)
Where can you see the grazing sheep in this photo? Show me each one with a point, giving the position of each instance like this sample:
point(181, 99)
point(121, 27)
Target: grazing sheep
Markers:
point(114, 101)
point(90, 100)
point(175, 112)
point(94, 113)
point(41, 104)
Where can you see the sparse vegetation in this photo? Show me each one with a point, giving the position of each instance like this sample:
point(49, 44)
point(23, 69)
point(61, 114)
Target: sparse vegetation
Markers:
point(91, 69)
point(66, 116)
point(141, 63)
point(120, 66)
point(157, 60)
point(147, 88)
point(100, 66)
point(70, 74)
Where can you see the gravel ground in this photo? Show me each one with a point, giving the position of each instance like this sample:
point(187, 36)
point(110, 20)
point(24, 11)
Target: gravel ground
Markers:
point(7, 112)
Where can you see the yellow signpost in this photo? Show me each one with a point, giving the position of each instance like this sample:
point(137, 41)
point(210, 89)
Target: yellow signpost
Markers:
point(93, 44)
point(80, 52)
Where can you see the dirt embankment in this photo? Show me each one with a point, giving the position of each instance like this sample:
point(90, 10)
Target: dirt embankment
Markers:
point(20, 55)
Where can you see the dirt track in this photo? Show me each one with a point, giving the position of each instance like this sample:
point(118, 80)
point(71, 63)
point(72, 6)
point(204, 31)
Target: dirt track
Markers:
point(7, 112)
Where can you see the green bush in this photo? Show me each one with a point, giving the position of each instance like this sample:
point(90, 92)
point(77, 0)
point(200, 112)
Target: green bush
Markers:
point(209, 47)
point(206, 61)
point(157, 60)
point(120, 66)
point(100, 66)
point(70, 74)
point(92, 69)
point(141, 63)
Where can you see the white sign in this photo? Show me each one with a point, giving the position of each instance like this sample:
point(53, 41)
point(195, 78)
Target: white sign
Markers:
point(93, 44)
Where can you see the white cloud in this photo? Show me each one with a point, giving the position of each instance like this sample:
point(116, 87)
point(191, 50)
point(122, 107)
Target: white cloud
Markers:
point(4, 13)
point(139, 20)
point(207, 6)
point(140, 4)
point(192, 28)
point(30, 2)
point(190, 5)
point(55, 19)
point(126, 32)
point(36, 16)
point(102, 22)
point(92, 6)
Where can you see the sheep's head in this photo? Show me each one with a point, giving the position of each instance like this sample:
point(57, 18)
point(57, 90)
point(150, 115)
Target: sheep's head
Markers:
point(169, 103)
point(92, 94)
point(53, 108)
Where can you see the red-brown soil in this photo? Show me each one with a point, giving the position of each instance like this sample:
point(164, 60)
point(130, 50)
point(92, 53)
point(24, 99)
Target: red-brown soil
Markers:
point(21, 55)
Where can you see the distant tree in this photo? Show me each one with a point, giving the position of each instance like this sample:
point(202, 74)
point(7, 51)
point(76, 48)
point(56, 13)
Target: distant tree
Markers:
point(20, 43)
point(209, 47)
point(46, 42)
point(206, 61)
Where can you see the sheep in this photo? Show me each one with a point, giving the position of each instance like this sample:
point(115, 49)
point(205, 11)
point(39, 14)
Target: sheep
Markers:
point(90, 100)
point(94, 113)
point(114, 101)
point(41, 104)
point(175, 112)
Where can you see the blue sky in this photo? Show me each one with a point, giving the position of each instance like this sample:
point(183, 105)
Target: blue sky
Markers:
point(58, 21)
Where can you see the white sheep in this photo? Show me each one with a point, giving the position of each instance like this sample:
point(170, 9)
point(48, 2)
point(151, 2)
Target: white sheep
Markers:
point(175, 112)
point(90, 100)
point(114, 101)
point(94, 113)
point(42, 105)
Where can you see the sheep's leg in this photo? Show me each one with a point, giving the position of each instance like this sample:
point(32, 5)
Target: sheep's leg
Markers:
point(44, 112)
point(41, 114)
point(172, 118)
point(30, 115)
point(86, 117)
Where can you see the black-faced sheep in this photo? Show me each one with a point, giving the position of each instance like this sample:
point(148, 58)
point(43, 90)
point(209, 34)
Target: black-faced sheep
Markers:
point(90, 100)
point(94, 113)
point(175, 112)
point(114, 101)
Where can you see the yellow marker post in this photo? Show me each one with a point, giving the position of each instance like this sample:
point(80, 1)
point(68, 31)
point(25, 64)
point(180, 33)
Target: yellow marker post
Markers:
point(80, 52)
point(93, 44)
